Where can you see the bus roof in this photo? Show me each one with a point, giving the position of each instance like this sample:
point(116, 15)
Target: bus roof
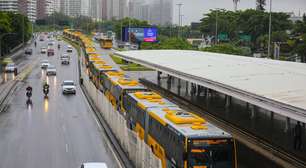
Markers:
point(151, 100)
point(125, 82)
point(186, 123)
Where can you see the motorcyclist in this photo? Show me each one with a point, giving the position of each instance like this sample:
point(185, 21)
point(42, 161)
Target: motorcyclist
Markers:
point(46, 89)
point(58, 46)
point(35, 43)
point(29, 94)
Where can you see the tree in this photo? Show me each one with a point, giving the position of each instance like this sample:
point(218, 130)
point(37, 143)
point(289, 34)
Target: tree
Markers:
point(249, 22)
point(17, 24)
point(227, 22)
point(227, 49)
point(260, 5)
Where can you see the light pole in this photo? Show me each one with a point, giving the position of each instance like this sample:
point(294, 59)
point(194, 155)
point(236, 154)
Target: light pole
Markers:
point(179, 18)
point(270, 29)
point(216, 31)
point(1, 36)
point(181, 30)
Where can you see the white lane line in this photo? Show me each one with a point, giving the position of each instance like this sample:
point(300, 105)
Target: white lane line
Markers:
point(64, 128)
point(97, 122)
point(66, 148)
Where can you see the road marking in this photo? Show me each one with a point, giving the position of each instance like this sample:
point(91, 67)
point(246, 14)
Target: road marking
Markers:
point(97, 122)
point(66, 148)
point(64, 128)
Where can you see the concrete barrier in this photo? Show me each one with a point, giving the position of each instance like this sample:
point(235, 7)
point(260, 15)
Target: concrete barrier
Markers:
point(138, 152)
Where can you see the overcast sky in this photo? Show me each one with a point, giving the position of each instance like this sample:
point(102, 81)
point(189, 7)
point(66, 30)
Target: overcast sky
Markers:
point(193, 10)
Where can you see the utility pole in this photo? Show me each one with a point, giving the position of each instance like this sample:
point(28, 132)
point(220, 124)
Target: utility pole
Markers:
point(235, 4)
point(23, 30)
point(179, 19)
point(181, 30)
point(270, 29)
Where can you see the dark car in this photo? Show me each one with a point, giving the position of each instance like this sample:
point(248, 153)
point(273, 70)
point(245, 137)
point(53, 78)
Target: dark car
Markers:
point(50, 52)
point(28, 51)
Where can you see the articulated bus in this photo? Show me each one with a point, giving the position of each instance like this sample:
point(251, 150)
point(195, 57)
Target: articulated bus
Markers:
point(96, 71)
point(116, 87)
point(179, 138)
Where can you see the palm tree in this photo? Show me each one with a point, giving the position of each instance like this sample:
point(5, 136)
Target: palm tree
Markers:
point(260, 5)
point(235, 4)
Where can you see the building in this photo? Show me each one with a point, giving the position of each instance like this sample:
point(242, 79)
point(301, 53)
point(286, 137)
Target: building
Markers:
point(160, 12)
point(25, 7)
point(31, 10)
point(104, 9)
point(95, 9)
point(9, 5)
point(123, 9)
point(139, 10)
point(56, 5)
point(116, 9)
point(71, 7)
point(45, 8)
point(85, 7)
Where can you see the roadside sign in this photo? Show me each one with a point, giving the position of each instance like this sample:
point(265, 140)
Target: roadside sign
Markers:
point(223, 37)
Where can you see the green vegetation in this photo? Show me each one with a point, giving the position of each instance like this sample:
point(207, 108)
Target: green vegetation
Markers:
point(127, 66)
point(168, 43)
point(228, 49)
point(14, 28)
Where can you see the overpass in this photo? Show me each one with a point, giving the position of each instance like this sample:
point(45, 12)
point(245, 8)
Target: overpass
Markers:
point(265, 86)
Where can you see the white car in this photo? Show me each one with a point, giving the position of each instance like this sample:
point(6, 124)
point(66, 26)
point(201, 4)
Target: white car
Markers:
point(11, 67)
point(69, 48)
point(94, 165)
point(43, 50)
point(44, 64)
point(64, 56)
point(68, 87)
point(51, 70)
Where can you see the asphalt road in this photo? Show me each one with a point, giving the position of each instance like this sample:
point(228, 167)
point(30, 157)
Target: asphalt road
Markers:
point(58, 132)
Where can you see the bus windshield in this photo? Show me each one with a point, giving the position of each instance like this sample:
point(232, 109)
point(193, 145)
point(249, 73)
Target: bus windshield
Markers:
point(212, 156)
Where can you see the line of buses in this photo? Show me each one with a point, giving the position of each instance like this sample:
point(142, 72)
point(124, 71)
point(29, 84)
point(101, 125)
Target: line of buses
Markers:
point(179, 138)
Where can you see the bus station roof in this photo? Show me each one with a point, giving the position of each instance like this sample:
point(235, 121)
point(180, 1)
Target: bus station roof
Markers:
point(277, 86)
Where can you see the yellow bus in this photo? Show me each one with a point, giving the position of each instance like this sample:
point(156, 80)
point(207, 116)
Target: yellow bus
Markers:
point(116, 85)
point(179, 138)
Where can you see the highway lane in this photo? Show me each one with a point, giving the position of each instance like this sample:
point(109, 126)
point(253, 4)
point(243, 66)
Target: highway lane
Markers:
point(61, 131)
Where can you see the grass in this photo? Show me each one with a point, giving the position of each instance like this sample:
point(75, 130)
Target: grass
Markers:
point(129, 66)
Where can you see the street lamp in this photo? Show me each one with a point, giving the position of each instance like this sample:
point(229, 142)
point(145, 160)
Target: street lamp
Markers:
point(179, 18)
point(270, 29)
point(1, 36)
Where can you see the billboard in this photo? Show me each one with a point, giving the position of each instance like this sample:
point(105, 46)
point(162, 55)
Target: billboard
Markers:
point(139, 34)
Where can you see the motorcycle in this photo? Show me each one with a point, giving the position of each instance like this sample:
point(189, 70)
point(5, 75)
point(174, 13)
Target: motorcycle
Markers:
point(58, 46)
point(46, 90)
point(29, 95)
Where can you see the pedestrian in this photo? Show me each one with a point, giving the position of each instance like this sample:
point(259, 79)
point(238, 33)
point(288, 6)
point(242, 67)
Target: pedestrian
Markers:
point(298, 136)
